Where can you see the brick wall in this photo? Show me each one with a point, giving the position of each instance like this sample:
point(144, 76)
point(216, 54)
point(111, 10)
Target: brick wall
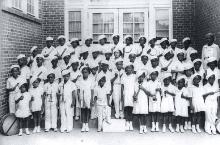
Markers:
point(183, 20)
point(53, 18)
point(207, 20)
point(18, 35)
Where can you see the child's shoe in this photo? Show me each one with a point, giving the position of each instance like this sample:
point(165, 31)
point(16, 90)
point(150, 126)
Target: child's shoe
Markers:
point(171, 128)
point(76, 118)
point(164, 128)
point(153, 127)
point(198, 128)
point(182, 129)
point(35, 129)
point(131, 126)
point(213, 129)
point(177, 128)
point(145, 129)
point(189, 125)
point(47, 130)
point(20, 132)
point(194, 129)
point(38, 129)
point(186, 125)
point(157, 127)
point(27, 131)
point(55, 129)
point(83, 128)
point(87, 127)
point(141, 129)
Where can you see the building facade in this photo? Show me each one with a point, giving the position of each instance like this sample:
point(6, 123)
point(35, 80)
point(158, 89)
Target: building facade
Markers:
point(25, 23)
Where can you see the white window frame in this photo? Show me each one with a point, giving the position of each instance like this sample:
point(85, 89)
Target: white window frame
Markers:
point(67, 25)
point(31, 4)
point(19, 7)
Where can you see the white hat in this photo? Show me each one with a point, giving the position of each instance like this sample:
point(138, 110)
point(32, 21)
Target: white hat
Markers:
point(107, 50)
point(54, 57)
point(65, 72)
point(21, 82)
point(115, 35)
point(209, 74)
point(93, 64)
point(49, 39)
point(88, 38)
point(84, 49)
point(181, 77)
point(163, 39)
point(40, 56)
point(118, 60)
point(196, 60)
point(142, 36)
point(61, 36)
point(173, 40)
point(178, 51)
point(95, 49)
point(34, 78)
point(127, 36)
point(139, 73)
point(14, 66)
point(185, 39)
point(33, 48)
point(166, 75)
point(153, 57)
point(105, 62)
point(188, 65)
point(74, 39)
point(20, 56)
point(154, 70)
point(74, 60)
point(127, 63)
point(101, 37)
point(194, 75)
point(193, 51)
point(211, 59)
point(51, 71)
point(66, 54)
point(167, 51)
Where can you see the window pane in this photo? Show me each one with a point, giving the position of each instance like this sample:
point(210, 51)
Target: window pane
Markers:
point(97, 28)
point(108, 28)
point(139, 28)
point(162, 23)
point(127, 28)
point(139, 17)
point(108, 17)
point(74, 24)
point(127, 17)
point(74, 16)
point(97, 18)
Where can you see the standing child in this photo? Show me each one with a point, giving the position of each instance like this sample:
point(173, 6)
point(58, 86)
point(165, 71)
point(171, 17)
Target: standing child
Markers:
point(36, 93)
point(154, 86)
point(86, 92)
point(68, 94)
point(102, 96)
point(32, 59)
point(211, 94)
point(181, 103)
point(141, 101)
point(51, 102)
point(128, 90)
point(198, 104)
point(56, 69)
point(12, 87)
point(167, 102)
point(186, 44)
point(23, 100)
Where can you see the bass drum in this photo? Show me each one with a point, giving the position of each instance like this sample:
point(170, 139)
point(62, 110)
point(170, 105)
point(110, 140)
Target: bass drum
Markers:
point(9, 125)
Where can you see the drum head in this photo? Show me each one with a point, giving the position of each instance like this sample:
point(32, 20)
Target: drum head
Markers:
point(9, 125)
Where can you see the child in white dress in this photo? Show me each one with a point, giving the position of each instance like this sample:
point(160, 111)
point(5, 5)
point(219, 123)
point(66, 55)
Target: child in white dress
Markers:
point(198, 104)
point(141, 101)
point(23, 101)
point(12, 87)
point(101, 97)
point(51, 105)
point(128, 89)
point(167, 102)
point(181, 103)
point(36, 93)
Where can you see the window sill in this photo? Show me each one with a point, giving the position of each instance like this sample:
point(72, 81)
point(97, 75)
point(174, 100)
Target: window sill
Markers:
point(19, 13)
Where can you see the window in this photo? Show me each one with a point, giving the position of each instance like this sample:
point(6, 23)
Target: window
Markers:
point(133, 24)
point(162, 22)
point(102, 23)
point(16, 4)
point(30, 7)
point(75, 24)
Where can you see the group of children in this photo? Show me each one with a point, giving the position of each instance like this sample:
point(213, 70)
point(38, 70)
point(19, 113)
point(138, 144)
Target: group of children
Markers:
point(74, 81)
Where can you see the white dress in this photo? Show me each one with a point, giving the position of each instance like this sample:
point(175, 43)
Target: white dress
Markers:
point(154, 105)
point(181, 104)
point(23, 109)
point(197, 98)
point(141, 105)
point(36, 93)
point(129, 89)
point(167, 102)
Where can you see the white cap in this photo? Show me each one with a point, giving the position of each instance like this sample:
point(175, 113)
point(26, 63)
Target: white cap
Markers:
point(178, 51)
point(173, 40)
point(54, 57)
point(66, 53)
point(40, 56)
point(153, 57)
point(118, 60)
point(211, 59)
point(196, 60)
point(74, 39)
point(193, 51)
point(163, 39)
point(93, 64)
point(33, 48)
point(209, 74)
point(88, 38)
point(188, 65)
point(185, 39)
point(84, 49)
point(105, 61)
point(101, 37)
point(49, 39)
point(115, 35)
point(181, 77)
point(74, 60)
point(151, 70)
point(34, 78)
point(142, 36)
point(61, 36)
point(65, 72)
point(127, 63)
point(127, 36)
point(139, 73)
point(20, 56)
point(21, 82)
point(107, 50)
point(14, 66)
point(194, 75)
point(166, 75)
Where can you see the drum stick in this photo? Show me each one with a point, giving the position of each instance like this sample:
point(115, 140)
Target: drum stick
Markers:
point(63, 52)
